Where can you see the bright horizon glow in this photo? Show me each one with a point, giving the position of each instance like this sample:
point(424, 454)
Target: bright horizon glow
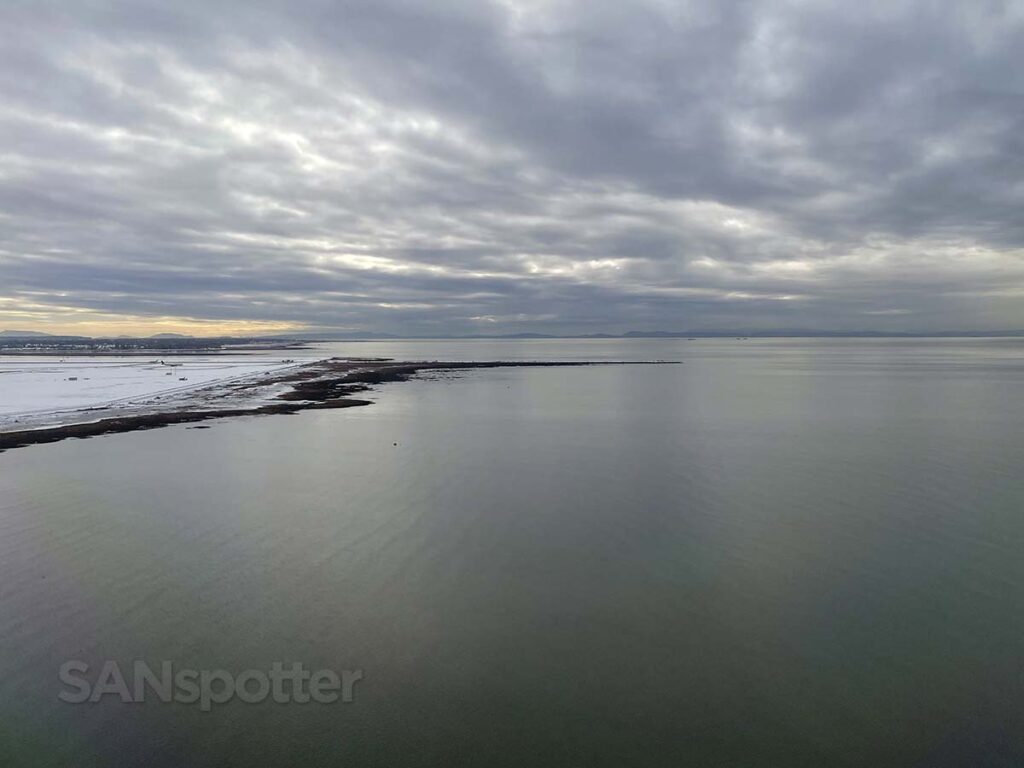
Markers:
point(105, 326)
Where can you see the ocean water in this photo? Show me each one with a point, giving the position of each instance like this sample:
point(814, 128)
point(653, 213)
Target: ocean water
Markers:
point(777, 553)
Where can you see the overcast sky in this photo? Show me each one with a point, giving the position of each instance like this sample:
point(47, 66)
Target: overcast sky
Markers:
point(478, 166)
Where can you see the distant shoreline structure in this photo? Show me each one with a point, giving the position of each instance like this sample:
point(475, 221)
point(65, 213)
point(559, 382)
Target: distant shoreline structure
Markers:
point(38, 343)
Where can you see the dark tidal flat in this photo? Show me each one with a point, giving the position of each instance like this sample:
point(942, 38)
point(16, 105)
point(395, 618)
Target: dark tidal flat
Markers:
point(780, 553)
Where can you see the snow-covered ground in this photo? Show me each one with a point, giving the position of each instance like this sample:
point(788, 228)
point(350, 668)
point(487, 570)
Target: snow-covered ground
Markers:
point(41, 391)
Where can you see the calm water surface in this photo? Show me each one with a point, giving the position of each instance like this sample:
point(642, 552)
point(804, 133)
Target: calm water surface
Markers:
point(779, 553)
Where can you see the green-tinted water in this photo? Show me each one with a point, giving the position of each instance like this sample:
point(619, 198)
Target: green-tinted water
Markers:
point(780, 553)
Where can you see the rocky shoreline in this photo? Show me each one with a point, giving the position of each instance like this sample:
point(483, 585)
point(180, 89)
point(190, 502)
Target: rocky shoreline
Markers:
point(323, 384)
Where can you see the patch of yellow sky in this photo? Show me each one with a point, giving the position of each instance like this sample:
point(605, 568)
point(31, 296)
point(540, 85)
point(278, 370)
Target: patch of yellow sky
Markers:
point(83, 322)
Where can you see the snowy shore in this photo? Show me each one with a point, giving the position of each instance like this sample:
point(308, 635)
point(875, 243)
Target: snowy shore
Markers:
point(43, 391)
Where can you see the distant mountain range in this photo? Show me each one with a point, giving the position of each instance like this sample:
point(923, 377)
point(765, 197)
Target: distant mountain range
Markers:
point(704, 334)
point(22, 334)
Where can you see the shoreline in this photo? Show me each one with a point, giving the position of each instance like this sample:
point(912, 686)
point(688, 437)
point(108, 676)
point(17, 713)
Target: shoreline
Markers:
point(324, 384)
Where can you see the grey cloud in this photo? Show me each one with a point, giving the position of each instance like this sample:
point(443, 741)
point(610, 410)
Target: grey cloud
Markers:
point(548, 165)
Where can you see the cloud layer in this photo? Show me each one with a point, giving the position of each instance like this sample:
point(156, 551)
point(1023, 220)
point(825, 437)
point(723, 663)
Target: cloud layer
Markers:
point(460, 166)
